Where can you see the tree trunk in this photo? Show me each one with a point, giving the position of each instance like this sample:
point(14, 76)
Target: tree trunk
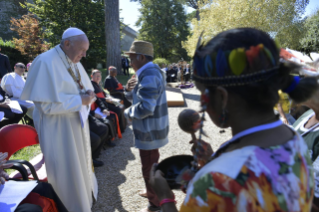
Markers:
point(112, 34)
point(197, 14)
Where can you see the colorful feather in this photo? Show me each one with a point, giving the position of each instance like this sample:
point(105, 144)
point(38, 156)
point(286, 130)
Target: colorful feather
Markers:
point(221, 63)
point(208, 65)
point(237, 61)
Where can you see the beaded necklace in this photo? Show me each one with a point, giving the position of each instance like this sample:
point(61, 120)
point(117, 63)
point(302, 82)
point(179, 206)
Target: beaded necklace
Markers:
point(77, 79)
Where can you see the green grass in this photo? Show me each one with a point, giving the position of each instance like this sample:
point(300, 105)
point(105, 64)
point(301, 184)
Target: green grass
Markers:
point(26, 153)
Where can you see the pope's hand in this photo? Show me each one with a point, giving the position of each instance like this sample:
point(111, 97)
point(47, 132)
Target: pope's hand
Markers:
point(131, 83)
point(90, 92)
point(3, 175)
point(88, 97)
point(105, 112)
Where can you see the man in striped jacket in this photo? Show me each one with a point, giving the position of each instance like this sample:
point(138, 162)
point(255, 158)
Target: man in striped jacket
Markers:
point(148, 113)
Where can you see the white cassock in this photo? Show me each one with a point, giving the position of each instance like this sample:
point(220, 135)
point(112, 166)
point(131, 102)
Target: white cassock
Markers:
point(13, 84)
point(64, 143)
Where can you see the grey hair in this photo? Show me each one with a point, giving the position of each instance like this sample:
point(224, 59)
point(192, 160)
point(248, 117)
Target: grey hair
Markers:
point(71, 40)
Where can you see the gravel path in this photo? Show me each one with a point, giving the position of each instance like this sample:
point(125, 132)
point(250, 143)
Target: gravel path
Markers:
point(121, 177)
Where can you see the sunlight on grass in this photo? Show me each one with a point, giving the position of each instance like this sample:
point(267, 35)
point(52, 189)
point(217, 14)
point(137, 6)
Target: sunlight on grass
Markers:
point(26, 153)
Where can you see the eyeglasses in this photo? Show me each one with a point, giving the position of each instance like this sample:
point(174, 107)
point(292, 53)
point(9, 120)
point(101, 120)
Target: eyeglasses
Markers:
point(19, 66)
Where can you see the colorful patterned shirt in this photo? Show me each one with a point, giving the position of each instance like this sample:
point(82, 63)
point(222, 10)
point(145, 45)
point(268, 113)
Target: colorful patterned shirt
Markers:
point(278, 178)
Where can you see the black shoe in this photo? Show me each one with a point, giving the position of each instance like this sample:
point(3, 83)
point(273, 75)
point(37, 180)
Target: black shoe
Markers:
point(110, 144)
point(97, 163)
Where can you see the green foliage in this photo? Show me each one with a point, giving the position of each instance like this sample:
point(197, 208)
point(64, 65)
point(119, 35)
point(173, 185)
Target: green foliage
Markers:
point(160, 61)
point(30, 42)
point(290, 35)
point(8, 48)
point(272, 16)
point(310, 39)
point(164, 24)
point(58, 15)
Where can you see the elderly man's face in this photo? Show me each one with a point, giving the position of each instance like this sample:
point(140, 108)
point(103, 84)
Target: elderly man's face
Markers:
point(77, 49)
point(19, 68)
point(97, 77)
point(137, 61)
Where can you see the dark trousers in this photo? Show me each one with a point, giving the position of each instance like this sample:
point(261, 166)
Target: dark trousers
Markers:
point(12, 118)
point(45, 190)
point(148, 158)
point(186, 77)
point(125, 70)
point(110, 121)
point(98, 134)
point(120, 114)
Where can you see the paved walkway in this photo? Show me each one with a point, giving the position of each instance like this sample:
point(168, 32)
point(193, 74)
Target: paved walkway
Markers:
point(121, 177)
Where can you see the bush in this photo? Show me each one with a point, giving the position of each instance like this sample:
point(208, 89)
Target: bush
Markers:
point(8, 48)
point(161, 61)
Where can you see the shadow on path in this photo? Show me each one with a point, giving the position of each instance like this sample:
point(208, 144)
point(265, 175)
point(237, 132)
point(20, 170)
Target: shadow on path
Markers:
point(109, 176)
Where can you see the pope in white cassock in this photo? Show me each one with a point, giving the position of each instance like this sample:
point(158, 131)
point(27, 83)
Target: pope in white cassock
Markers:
point(62, 92)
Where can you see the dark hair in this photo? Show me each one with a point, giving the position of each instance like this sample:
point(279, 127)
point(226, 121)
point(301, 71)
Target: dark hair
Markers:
point(264, 94)
point(148, 58)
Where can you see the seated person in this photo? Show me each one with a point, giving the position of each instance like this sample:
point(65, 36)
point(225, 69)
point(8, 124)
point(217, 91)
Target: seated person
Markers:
point(171, 74)
point(42, 196)
point(115, 87)
point(10, 117)
point(13, 84)
point(102, 103)
point(187, 73)
point(99, 134)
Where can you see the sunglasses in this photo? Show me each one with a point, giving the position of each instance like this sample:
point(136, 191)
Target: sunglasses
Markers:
point(20, 66)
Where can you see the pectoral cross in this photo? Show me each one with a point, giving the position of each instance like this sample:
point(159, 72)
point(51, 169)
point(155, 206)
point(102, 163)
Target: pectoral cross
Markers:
point(80, 84)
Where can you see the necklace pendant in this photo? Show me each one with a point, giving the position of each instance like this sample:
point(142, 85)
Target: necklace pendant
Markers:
point(80, 84)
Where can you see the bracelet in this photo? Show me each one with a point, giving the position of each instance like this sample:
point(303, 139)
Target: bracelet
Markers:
point(166, 201)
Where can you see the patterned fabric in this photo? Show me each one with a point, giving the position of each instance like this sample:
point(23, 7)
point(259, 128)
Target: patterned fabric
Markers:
point(271, 179)
point(149, 112)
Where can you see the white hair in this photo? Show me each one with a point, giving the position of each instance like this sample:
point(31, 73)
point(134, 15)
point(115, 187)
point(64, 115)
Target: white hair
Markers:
point(71, 40)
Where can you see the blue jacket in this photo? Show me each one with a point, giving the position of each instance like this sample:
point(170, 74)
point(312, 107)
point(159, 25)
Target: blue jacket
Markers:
point(149, 112)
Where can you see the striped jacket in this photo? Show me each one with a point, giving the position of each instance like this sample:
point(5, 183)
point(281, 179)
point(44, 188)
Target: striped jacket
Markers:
point(149, 112)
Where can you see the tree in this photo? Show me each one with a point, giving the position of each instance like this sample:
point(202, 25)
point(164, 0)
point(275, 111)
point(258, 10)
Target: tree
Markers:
point(164, 24)
point(195, 5)
point(268, 15)
point(88, 15)
point(289, 36)
point(30, 42)
point(310, 40)
point(112, 32)
point(190, 3)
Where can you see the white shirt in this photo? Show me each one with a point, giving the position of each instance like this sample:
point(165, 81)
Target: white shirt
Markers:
point(13, 84)
point(138, 73)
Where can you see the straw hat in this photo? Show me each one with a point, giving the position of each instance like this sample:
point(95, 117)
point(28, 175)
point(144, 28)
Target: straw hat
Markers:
point(141, 47)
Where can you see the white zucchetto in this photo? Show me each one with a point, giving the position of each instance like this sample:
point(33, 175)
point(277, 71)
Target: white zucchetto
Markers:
point(71, 32)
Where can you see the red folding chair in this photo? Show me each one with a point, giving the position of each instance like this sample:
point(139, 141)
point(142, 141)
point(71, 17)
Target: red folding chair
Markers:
point(15, 137)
